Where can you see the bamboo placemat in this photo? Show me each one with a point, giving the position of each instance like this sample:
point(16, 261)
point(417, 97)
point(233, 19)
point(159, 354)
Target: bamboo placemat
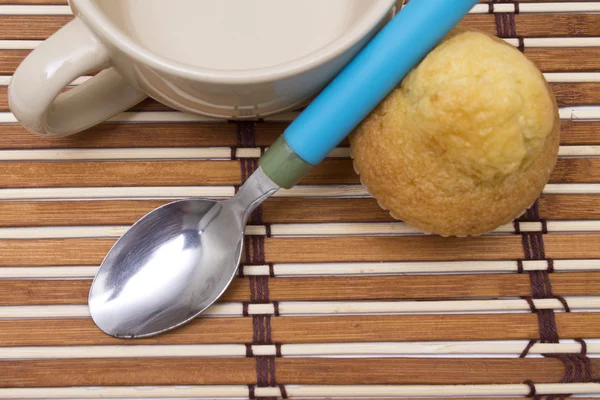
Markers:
point(334, 298)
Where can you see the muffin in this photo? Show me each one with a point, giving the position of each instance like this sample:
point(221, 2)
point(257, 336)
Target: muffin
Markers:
point(465, 143)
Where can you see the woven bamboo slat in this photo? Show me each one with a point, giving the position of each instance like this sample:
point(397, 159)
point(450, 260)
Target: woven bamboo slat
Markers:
point(576, 94)
point(276, 210)
point(107, 136)
point(186, 371)
point(91, 251)
point(48, 292)
point(308, 329)
point(211, 173)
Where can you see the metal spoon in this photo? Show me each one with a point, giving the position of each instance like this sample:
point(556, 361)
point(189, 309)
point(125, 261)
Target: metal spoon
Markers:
point(178, 260)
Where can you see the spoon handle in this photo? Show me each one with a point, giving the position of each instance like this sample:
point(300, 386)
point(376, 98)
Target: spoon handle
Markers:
point(361, 86)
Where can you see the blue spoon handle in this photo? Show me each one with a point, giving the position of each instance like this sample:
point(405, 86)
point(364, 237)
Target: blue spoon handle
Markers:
point(368, 79)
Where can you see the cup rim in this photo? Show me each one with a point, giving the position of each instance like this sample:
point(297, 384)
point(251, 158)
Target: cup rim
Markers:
point(95, 19)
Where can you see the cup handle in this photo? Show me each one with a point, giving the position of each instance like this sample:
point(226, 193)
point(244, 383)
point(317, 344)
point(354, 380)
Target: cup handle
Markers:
point(35, 96)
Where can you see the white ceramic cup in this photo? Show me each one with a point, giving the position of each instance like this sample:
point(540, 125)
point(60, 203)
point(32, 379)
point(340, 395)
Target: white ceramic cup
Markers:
point(229, 59)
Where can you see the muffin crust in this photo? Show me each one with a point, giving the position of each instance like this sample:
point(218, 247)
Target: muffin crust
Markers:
point(465, 143)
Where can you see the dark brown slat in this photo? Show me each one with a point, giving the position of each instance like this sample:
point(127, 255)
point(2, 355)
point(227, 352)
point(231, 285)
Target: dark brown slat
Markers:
point(552, 206)
point(146, 105)
point(576, 94)
point(565, 59)
point(54, 252)
point(576, 170)
point(83, 331)
point(306, 371)
point(340, 329)
point(14, 136)
point(432, 287)
point(205, 172)
point(10, 60)
point(392, 249)
point(383, 328)
point(579, 132)
point(363, 249)
point(119, 173)
point(274, 211)
point(51, 213)
point(129, 372)
point(425, 287)
point(419, 371)
point(567, 94)
point(43, 252)
point(109, 135)
point(151, 173)
point(540, 25)
point(31, 27)
point(572, 246)
point(125, 212)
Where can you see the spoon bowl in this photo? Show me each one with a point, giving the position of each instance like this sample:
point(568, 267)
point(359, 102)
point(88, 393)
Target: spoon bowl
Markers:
point(173, 263)
point(188, 241)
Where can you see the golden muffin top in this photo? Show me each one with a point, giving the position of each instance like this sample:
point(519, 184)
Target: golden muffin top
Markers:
point(465, 143)
point(478, 103)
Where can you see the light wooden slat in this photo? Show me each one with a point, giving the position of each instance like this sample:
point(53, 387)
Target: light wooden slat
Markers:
point(210, 173)
point(296, 391)
point(41, 252)
point(222, 192)
point(51, 292)
point(313, 371)
point(342, 307)
point(308, 329)
point(274, 211)
point(333, 269)
point(199, 153)
point(179, 192)
point(463, 349)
